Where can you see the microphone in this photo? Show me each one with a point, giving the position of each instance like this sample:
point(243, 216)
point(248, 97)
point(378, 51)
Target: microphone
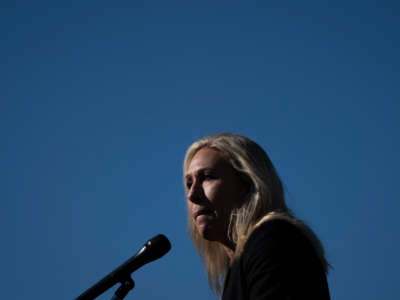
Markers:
point(153, 249)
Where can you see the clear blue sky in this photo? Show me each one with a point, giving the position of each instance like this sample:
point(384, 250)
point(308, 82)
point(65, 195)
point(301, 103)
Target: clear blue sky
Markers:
point(100, 99)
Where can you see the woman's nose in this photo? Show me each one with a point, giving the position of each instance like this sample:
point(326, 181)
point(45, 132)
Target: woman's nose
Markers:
point(195, 192)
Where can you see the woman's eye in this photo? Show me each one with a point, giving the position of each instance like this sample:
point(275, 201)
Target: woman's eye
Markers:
point(209, 176)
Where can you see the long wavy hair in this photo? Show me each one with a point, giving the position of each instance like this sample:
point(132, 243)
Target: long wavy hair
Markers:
point(265, 200)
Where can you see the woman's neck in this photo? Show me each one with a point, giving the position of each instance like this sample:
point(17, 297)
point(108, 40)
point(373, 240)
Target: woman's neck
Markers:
point(229, 248)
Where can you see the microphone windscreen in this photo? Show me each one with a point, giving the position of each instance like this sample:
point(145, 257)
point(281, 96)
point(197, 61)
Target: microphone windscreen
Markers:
point(158, 246)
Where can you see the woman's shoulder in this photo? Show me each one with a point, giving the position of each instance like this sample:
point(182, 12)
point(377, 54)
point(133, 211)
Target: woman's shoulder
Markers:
point(279, 259)
point(276, 232)
point(285, 239)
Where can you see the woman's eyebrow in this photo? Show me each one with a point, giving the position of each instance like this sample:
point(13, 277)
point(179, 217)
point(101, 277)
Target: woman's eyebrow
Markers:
point(200, 171)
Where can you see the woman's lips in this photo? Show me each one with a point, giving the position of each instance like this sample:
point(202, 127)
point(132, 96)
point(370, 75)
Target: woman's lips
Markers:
point(203, 211)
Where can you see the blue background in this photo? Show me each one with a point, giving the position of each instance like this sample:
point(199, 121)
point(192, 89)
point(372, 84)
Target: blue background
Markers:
point(100, 99)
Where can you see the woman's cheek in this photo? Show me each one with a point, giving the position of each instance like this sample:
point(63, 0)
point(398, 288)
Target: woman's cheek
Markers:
point(211, 191)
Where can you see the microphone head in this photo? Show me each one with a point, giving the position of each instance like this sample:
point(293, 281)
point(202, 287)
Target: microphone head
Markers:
point(158, 246)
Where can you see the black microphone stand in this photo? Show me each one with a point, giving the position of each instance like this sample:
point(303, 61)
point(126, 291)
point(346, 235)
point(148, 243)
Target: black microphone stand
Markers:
point(152, 250)
point(123, 290)
point(127, 284)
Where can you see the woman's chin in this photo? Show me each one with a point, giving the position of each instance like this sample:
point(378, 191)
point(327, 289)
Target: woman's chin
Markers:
point(207, 232)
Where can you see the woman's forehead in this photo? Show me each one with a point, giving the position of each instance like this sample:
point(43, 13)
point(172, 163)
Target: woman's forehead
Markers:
point(206, 158)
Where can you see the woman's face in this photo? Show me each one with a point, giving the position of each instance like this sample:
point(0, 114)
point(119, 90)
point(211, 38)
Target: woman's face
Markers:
point(213, 190)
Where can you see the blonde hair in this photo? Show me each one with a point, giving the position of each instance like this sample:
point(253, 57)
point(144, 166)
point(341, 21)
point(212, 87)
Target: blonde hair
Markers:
point(264, 201)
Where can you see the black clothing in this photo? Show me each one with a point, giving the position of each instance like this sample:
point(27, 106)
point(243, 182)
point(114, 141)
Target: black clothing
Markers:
point(278, 262)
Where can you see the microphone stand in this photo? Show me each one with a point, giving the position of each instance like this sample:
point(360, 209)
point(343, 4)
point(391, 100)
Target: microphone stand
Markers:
point(124, 288)
point(152, 250)
point(127, 284)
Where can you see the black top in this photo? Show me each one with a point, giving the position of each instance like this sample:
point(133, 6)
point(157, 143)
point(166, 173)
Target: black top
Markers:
point(278, 262)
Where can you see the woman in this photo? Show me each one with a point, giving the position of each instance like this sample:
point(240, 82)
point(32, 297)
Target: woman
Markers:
point(242, 228)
